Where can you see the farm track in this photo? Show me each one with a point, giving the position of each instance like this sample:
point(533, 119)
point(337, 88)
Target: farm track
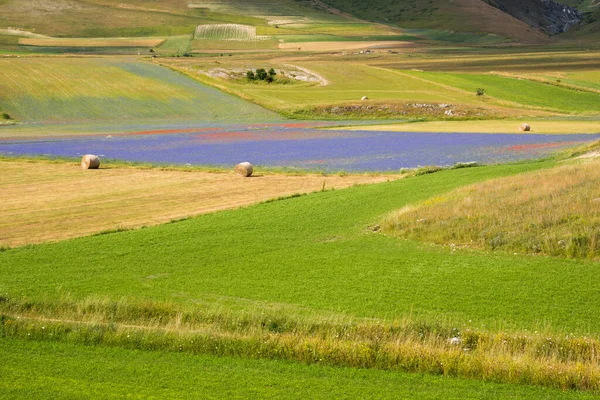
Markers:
point(51, 202)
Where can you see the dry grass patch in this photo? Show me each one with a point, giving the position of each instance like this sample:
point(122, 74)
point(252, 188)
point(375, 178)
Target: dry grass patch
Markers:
point(495, 126)
point(43, 201)
point(553, 212)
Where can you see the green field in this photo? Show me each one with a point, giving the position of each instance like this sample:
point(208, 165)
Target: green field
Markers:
point(126, 291)
point(349, 79)
point(201, 286)
point(64, 371)
point(524, 92)
point(77, 90)
point(350, 271)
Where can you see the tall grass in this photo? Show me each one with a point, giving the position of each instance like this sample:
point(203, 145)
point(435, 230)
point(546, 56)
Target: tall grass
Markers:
point(406, 345)
point(553, 212)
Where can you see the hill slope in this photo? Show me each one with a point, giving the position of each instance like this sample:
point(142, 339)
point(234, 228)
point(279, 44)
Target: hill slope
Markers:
point(528, 21)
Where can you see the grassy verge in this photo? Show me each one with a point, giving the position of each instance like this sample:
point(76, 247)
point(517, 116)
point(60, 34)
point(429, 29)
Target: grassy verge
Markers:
point(569, 362)
point(42, 369)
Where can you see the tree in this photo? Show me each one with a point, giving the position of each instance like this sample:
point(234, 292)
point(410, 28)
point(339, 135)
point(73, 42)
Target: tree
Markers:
point(272, 72)
point(261, 74)
point(250, 75)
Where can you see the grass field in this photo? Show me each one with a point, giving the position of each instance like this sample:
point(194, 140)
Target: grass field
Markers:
point(348, 82)
point(110, 18)
point(71, 90)
point(524, 92)
point(230, 294)
point(69, 202)
point(550, 212)
point(175, 45)
point(34, 369)
point(352, 275)
point(88, 42)
point(145, 281)
point(351, 77)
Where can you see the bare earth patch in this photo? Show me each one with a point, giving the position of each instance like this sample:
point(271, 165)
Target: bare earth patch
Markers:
point(43, 201)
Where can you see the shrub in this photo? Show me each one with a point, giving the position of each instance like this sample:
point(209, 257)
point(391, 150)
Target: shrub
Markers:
point(250, 75)
point(480, 91)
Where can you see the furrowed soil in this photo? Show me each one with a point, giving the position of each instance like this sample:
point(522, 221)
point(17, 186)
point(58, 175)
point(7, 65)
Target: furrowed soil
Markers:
point(44, 201)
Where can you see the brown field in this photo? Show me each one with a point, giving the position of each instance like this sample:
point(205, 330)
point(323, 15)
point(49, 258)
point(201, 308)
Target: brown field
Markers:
point(44, 201)
point(92, 42)
point(339, 46)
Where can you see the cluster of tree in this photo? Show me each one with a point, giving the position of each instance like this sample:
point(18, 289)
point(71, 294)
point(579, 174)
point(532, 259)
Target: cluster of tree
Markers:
point(261, 75)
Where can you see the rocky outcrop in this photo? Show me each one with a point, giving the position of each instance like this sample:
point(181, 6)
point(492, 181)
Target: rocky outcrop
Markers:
point(546, 15)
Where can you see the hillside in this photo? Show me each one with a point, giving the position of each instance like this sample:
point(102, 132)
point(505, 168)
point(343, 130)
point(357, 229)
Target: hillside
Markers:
point(528, 21)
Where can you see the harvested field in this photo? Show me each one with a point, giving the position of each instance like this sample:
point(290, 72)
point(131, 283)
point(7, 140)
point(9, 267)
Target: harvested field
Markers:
point(499, 126)
point(339, 46)
point(44, 201)
point(91, 42)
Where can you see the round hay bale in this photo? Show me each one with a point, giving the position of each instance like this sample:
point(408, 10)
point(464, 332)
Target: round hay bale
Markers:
point(364, 98)
point(90, 161)
point(244, 169)
point(524, 127)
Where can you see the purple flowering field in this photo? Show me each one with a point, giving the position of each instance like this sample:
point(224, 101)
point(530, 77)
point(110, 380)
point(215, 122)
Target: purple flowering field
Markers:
point(299, 146)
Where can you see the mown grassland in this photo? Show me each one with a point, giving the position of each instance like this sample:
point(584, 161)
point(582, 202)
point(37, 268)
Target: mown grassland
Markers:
point(549, 212)
point(41, 369)
point(72, 90)
point(70, 203)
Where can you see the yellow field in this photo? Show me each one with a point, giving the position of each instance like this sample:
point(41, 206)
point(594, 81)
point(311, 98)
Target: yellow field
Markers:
point(91, 42)
point(496, 126)
point(339, 46)
point(43, 201)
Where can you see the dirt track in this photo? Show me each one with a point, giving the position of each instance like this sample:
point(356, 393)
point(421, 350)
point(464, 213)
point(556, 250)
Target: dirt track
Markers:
point(49, 202)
